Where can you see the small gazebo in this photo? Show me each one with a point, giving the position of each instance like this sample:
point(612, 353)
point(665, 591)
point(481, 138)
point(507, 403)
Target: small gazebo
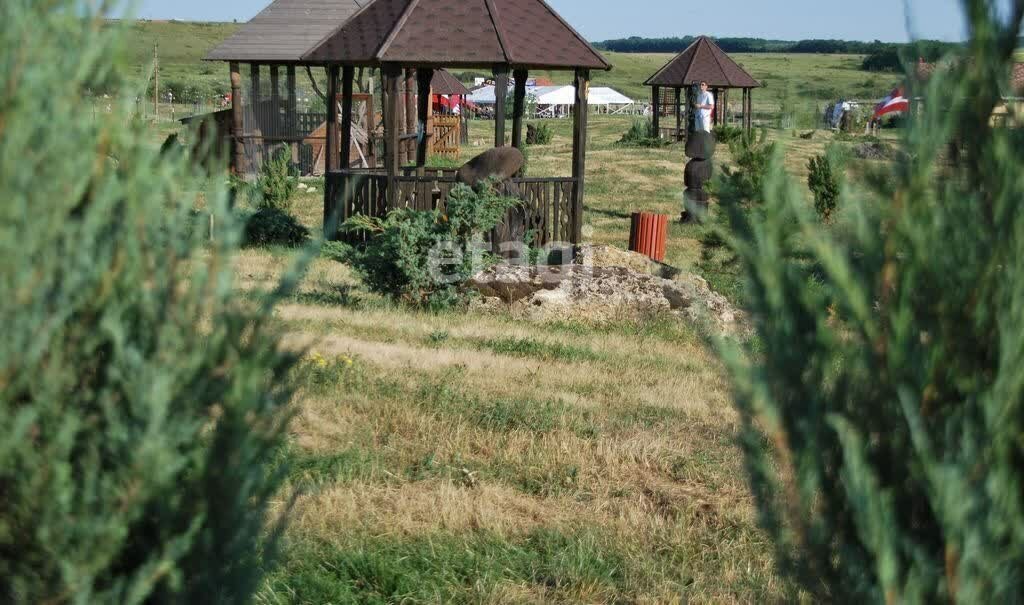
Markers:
point(702, 61)
point(505, 36)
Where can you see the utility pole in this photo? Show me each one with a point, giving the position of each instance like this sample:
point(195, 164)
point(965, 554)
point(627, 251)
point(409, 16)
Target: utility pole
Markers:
point(156, 81)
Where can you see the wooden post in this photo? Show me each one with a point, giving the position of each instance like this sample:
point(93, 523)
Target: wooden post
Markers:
point(579, 150)
point(392, 78)
point(410, 113)
point(749, 110)
point(424, 110)
point(519, 107)
point(679, 114)
point(331, 157)
point(275, 98)
point(254, 85)
point(237, 120)
point(347, 76)
point(332, 215)
point(656, 107)
point(293, 112)
point(500, 92)
point(430, 122)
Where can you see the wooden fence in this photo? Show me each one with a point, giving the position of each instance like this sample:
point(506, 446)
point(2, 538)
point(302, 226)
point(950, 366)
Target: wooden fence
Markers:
point(548, 207)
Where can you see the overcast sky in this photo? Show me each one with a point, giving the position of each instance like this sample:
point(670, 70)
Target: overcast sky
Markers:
point(885, 20)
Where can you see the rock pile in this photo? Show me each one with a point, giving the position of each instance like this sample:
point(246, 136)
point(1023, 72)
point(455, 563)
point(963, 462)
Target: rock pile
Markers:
point(593, 291)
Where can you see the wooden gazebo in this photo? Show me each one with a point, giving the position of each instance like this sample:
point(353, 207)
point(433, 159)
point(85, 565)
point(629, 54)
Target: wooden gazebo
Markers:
point(505, 36)
point(702, 61)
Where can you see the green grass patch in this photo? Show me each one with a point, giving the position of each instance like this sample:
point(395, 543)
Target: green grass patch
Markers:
point(445, 568)
point(548, 351)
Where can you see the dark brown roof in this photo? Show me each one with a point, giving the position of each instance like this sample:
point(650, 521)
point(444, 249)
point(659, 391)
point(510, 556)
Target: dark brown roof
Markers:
point(703, 61)
point(285, 30)
point(519, 33)
point(444, 83)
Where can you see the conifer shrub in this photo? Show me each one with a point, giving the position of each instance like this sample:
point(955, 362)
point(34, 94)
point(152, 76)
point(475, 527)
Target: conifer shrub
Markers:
point(824, 179)
point(883, 409)
point(751, 161)
point(726, 134)
point(423, 258)
point(141, 404)
point(276, 184)
point(542, 134)
point(273, 227)
point(641, 134)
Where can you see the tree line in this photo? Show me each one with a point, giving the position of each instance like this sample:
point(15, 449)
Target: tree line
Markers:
point(636, 44)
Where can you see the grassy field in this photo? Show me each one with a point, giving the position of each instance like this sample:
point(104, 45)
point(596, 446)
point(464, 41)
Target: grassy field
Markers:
point(803, 78)
point(476, 458)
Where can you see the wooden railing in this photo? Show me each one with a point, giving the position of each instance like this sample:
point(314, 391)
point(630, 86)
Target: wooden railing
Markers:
point(549, 204)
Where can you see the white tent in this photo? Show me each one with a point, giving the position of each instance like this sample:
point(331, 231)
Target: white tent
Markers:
point(482, 96)
point(608, 96)
point(557, 101)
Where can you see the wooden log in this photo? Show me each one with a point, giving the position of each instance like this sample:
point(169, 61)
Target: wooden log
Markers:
point(237, 120)
point(423, 112)
point(500, 92)
point(275, 100)
point(331, 160)
point(579, 150)
point(332, 214)
point(392, 76)
point(519, 107)
point(292, 110)
point(410, 113)
point(254, 82)
point(679, 114)
point(347, 77)
point(656, 108)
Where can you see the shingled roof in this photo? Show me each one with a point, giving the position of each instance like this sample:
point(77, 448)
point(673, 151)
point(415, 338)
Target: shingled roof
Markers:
point(519, 33)
point(285, 30)
point(444, 83)
point(422, 33)
point(703, 61)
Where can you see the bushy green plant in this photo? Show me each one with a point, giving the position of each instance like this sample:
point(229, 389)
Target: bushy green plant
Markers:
point(726, 134)
point(272, 227)
point(751, 157)
point(276, 184)
point(140, 402)
point(424, 258)
point(884, 409)
point(641, 134)
point(542, 133)
point(824, 183)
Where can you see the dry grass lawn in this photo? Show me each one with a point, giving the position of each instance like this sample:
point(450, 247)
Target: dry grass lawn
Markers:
point(474, 458)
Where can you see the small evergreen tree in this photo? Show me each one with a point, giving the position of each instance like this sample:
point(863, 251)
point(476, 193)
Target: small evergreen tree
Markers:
point(140, 404)
point(824, 184)
point(883, 406)
point(751, 162)
point(275, 184)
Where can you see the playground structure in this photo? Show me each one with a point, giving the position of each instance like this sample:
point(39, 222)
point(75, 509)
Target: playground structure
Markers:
point(672, 88)
point(408, 40)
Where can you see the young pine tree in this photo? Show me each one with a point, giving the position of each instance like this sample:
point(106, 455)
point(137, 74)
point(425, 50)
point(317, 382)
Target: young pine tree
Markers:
point(883, 408)
point(139, 404)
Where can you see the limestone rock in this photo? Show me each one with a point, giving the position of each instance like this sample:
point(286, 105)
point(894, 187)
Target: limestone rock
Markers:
point(594, 292)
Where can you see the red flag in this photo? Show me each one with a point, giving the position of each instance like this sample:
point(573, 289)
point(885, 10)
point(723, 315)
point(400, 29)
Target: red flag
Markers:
point(894, 103)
